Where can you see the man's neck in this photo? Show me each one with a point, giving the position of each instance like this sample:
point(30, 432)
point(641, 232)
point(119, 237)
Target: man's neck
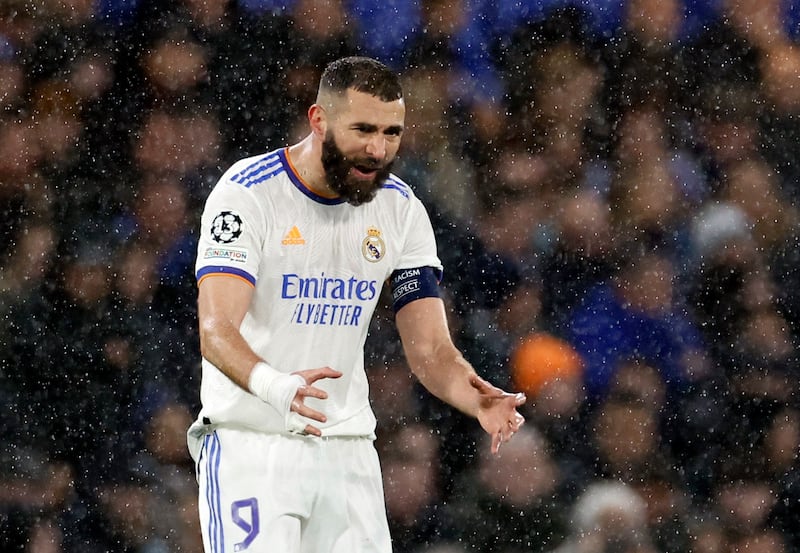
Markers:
point(306, 157)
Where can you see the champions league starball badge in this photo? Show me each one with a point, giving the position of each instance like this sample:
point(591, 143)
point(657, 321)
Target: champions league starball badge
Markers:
point(226, 227)
point(373, 247)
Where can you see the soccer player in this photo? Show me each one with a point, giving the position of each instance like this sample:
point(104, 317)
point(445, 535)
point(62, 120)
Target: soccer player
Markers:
point(294, 248)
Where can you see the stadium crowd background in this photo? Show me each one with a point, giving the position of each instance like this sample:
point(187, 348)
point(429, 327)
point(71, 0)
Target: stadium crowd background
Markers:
point(614, 189)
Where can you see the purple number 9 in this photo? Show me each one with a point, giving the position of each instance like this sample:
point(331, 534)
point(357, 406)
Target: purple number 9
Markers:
point(249, 524)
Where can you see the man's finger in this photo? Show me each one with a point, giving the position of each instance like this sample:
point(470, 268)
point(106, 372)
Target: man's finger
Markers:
point(323, 372)
point(313, 430)
point(310, 413)
point(516, 422)
point(311, 391)
point(496, 443)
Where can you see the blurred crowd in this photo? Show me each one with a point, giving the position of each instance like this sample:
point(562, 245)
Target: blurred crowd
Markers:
point(613, 186)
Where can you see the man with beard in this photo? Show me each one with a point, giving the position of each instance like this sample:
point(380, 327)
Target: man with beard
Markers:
point(294, 248)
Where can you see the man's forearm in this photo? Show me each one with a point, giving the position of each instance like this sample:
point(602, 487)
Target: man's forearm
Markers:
point(447, 376)
point(225, 348)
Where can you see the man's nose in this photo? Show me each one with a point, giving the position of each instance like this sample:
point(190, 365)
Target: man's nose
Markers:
point(376, 147)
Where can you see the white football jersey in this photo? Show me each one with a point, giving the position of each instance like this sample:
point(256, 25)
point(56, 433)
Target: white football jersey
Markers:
point(317, 266)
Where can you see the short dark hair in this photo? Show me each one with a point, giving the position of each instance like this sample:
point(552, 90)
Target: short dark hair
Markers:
point(362, 74)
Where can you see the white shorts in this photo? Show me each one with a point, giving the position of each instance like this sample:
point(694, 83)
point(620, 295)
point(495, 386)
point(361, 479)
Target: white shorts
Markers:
point(266, 493)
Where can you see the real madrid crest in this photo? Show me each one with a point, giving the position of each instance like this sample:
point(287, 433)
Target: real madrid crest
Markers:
point(373, 248)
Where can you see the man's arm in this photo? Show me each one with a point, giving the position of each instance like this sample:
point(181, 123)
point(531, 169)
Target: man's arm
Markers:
point(222, 304)
point(442, 369)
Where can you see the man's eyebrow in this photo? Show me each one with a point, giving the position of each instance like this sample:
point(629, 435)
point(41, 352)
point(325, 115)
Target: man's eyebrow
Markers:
point(364, 126)
point(370, 127)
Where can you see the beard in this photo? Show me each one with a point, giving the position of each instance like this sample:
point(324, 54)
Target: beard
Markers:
point(337, 172)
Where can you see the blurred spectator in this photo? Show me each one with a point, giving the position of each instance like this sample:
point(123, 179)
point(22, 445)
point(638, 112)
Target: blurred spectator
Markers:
point(706, 535)
point(779, 130)
point(25, 192)
point(752, 186)
point(410, 459)
point(70, 67)
point(19, 27)
point(608, 516)
point(734, 294)
point(554, 85)
point(400, 392)
point(512, 501)
point(761, 25)
point(244, 74)
point(126, 520)
point(668, 509)
point(65, 336)
point(545, 151)
point(781, 450)
point(320, 32)
point(73, 401)
point(140, 503)
point(725, 257)
point(641, 382)
point(181, 145)
point(655, 182)
point(68, 28)
point(636, 312)
point(453, 36)
point(36, 494)
point(221, 59)
point(645, 68)
point(160, 220)
point(45, 537)
point(170, 466)
point(146, 344)
point(627, 440)
point(24, 270)
point(746, 503)
point(58, 127)
point(13, 85)
point(580, 257)
point(432, 154)
point(550, 372)
point(640, 455)
point(722, 85)
point(175, 67)
point(763, 541)
point(782, 261)
point(471, 259)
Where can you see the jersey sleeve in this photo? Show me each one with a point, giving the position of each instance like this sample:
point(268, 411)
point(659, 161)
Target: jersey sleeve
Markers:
point(420, 244)
point(231, 234)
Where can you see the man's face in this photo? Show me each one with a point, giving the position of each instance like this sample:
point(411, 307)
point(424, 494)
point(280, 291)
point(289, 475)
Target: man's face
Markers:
point(356, 180)
point(360, 145)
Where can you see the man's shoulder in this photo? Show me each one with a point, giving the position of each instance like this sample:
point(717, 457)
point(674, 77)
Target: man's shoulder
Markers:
point(251, 171)
point(396, 187)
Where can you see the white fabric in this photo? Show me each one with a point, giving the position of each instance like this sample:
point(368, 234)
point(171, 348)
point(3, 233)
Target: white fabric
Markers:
point(290, 494)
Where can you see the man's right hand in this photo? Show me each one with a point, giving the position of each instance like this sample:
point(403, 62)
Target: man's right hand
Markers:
point(299, 411)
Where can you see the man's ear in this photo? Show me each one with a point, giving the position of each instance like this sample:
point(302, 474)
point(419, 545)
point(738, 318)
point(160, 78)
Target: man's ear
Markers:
point(318, 119)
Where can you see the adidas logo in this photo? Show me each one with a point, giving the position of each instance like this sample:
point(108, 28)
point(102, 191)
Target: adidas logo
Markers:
point(293, 238)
